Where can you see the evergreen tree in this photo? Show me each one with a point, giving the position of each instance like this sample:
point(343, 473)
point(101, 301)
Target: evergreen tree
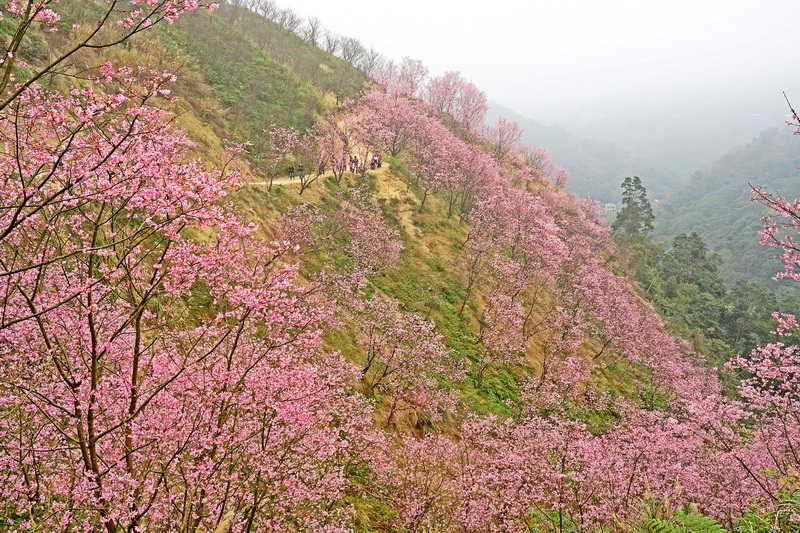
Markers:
point(689, 262)
point(635, 219)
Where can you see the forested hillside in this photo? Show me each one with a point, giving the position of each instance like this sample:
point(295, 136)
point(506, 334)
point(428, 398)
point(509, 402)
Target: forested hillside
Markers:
point(717, 206)
point(251, 287)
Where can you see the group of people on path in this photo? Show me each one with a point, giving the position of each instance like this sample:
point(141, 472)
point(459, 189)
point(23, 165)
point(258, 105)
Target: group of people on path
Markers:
point(354, 165)
point(301, 171)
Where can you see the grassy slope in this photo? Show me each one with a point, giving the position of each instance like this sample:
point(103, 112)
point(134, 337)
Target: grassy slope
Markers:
point(239, 73)
point(264, 75)
point(260, 73)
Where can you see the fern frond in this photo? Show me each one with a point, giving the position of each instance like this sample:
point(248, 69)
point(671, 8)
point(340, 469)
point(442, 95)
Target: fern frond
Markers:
point(698, 523)
point(657, 525)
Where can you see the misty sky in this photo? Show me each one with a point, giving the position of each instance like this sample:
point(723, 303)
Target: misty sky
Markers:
point(537, 57)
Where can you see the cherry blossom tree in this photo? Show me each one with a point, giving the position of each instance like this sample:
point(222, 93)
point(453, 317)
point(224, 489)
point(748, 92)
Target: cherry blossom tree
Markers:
point(771, 386)
point(414, 476)
point(334, 142)
point(352, 236)
point(373, 246)
point(505, 137)
point(500, 336)
point(472, 108)
point(459, 100)
point(404, 358)
point(117, 22)
point(480, 175)
point(153, 380)
point(436, 158)
point(393, 120)
point(779, 227)
point(539, 159)
point(163, 367)
point(282, 144)
point(405, 79)
point(312, 157)
point(561, 177)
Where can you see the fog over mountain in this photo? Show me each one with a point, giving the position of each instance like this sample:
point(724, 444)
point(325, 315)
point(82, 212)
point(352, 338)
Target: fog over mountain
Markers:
point(686, 130)
point(665, 137)
point(596, 166)
point(543, 60)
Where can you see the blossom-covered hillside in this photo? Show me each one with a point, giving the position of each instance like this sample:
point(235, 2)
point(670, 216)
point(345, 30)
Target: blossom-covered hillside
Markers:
point(435, 337)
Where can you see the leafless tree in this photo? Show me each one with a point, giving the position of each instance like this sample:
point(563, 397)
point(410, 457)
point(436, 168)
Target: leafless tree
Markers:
point(371, 60)
point(289, 19)
point(266, 8)
point(312, 31)
point(351, 50)
point(331, 42)
point(235, 15)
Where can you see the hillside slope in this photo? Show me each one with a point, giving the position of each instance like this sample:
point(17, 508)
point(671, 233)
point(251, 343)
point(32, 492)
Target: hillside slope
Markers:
point(440, 343)
point(261, 73)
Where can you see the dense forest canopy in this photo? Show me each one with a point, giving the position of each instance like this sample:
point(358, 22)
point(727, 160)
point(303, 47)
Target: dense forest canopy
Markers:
point(717, 205)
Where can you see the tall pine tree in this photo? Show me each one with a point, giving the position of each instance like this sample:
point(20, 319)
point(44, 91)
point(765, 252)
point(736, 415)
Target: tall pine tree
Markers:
point(635, 220)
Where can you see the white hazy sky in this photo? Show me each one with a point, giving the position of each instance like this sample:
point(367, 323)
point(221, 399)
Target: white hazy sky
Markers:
point(535, 55)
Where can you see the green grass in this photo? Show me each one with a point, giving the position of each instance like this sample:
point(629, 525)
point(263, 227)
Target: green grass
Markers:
point(260, 73)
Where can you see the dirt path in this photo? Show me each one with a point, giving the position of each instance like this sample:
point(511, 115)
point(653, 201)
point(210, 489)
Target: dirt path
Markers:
point(389, 188)
point(284, 180)
point(277, 181)
point(292, 181)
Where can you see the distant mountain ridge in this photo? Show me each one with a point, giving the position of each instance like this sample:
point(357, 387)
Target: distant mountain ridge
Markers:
point(686, 132)
point(715, 202)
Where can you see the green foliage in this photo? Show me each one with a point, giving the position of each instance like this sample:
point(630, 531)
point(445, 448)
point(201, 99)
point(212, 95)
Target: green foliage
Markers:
point(635, 220)
point(260, 72)
point(323, 70)
point(332, 186)
point(428, 286)
point(547, 521)
point(494, 395)
point(717, 205)
point(747, 315)
point(257, 89)
point(370, 513)
point(685, 286)
point(784, 517)
point(683, 283)
point(399, 167)
point(684, 522)
point(688, 262)
point(343, 340)
point(33, 47)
